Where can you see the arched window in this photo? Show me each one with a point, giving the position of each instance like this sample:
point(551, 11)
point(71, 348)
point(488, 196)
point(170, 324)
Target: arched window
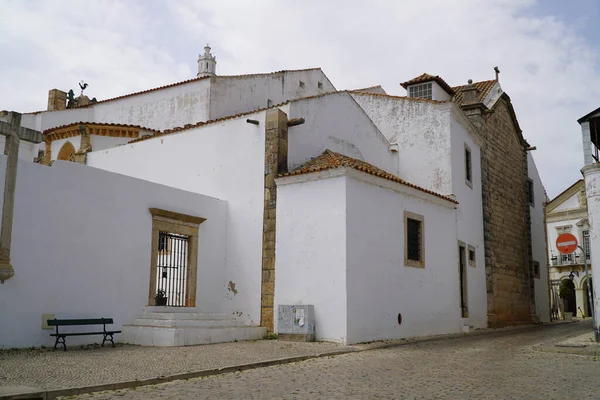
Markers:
point(66, 152)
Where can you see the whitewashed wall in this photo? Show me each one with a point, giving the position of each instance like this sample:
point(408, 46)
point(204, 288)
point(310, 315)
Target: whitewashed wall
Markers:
point(81, 248)
point(224, 160)
point(337, 123)
point(422, 133)
point(438, 93)
point(469, 216)
point(340, 247)
point(231, 95)
point(191, 102)
point(538, 241)
point(27, 150)
point(379, 285)
point(311, 253)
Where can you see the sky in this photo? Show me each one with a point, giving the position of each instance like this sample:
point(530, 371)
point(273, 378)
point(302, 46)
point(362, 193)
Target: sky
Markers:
point(547, 52)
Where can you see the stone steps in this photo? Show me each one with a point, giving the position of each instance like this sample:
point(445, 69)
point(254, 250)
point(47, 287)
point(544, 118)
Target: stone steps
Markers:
point(192, 323)
point(189, 336)
point(172, 326)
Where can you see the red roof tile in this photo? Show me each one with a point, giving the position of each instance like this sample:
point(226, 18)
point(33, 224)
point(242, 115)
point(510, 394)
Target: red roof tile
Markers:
point(427, 78)
point(483, 86)
point(49, 131)
point(398, 97)
point(331, 160)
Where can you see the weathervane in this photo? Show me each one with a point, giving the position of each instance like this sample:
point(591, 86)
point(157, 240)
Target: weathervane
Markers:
point(82, 85)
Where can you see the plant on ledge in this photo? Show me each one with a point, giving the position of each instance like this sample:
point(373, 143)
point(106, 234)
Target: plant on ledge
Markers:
point(160, 298)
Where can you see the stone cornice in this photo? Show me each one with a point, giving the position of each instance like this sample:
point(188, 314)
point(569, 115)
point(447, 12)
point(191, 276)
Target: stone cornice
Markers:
point(94, 129)
point(566, 214)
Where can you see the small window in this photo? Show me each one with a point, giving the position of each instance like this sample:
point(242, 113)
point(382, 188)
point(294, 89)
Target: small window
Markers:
point(530, 193)
point(422, 90)
point(468, 167)
point(536, 269)
point(302, 84)
point(471, 256)
point(413, 247)
point(320, 85)
point(269, 103)
point(586, 244)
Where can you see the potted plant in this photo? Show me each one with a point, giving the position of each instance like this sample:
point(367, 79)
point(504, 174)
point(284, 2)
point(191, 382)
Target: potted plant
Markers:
point(160, 298)
point(564, 292)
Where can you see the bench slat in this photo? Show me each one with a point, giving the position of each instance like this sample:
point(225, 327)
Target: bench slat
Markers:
point(86, 321)
point(84, 333)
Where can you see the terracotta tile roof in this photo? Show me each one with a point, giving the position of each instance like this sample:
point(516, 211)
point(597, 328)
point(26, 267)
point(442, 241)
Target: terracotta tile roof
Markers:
point(418, 99)
point(49, 131)
point(483, 86)
point(212, 121)
point(427, 78)
point(195, 80)
point(332, 160)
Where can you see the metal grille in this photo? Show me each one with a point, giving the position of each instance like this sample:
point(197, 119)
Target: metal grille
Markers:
point(171, 269)
point(413, 240)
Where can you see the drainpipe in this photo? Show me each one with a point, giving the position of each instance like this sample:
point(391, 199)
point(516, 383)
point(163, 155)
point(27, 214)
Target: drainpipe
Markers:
point(11, 150)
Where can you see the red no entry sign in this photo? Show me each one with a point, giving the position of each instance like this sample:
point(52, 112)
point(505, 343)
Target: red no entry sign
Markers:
point(566, 243)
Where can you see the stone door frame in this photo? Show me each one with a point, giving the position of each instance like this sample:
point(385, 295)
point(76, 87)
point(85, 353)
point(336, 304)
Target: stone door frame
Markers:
point(169, 221)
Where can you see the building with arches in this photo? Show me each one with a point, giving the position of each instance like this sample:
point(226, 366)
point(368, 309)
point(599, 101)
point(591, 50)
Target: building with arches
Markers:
point(567, 213)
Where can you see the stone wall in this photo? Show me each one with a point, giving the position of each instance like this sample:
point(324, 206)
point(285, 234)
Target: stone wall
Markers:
point(506, 213)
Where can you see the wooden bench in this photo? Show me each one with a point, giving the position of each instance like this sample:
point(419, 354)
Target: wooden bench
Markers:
point(60, 337)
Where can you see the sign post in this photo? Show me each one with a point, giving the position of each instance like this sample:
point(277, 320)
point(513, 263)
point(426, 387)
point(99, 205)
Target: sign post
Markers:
point(566, 243)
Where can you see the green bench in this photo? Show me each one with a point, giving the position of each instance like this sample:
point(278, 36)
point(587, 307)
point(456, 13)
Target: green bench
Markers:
point(60, 337)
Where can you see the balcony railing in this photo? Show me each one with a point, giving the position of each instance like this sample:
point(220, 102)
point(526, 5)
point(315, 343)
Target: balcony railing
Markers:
point(569, 259)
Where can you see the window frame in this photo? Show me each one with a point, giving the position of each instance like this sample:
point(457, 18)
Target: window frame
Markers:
point(530, 192)
point(421, 90)
point(471, 249)
point(536, 274)
point(415, 217)
point(468, 166)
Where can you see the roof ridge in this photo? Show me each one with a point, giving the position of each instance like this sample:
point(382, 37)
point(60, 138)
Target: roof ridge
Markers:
point(330, 160)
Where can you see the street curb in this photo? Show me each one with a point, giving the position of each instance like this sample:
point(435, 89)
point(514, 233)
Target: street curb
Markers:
point(54, 393)
point(581, 350)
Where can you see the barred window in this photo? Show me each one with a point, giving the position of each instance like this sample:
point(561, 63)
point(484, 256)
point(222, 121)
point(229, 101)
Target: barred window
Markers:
point(422, 90)
point(414, 238)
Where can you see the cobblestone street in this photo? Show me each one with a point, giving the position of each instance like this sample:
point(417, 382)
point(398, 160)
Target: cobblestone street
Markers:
point(494, 366)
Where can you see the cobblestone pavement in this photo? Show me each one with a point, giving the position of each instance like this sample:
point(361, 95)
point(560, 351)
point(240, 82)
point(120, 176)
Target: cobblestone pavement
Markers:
point(49, 369)
point(493, 366)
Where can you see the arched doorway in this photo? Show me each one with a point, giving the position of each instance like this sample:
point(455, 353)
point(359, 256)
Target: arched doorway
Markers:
point(567, 294)
point(66, 152)
point(589, 304)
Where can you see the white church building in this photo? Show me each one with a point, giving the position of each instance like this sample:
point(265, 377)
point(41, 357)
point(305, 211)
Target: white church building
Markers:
point(234, 195)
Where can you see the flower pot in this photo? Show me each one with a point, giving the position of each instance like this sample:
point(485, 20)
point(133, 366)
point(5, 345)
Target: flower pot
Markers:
point(161, 301)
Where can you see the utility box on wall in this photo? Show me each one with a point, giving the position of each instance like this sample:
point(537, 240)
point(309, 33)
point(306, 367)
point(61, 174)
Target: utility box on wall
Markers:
point(296, 323)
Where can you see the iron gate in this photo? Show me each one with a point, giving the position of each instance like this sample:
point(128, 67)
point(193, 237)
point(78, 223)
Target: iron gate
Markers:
point(171, 276)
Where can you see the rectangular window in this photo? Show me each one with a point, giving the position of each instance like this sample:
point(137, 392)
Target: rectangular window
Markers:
point(269, 103)
point(414, 236)
point(422, 90)
point(468, 167)
point(302, 84)
point(536, 269)
point(530, 192)
point(320, 85)
point(586, 244)
point(471, 256)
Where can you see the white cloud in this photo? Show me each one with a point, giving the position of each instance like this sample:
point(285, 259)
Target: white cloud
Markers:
point(549, 71)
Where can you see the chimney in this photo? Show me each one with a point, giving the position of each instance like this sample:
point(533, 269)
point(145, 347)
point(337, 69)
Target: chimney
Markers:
point(57, 100)
point(472, 105)
point(470, 93)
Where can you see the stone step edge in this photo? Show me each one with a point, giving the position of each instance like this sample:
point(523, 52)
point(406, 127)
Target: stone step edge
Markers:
point(193, 327)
